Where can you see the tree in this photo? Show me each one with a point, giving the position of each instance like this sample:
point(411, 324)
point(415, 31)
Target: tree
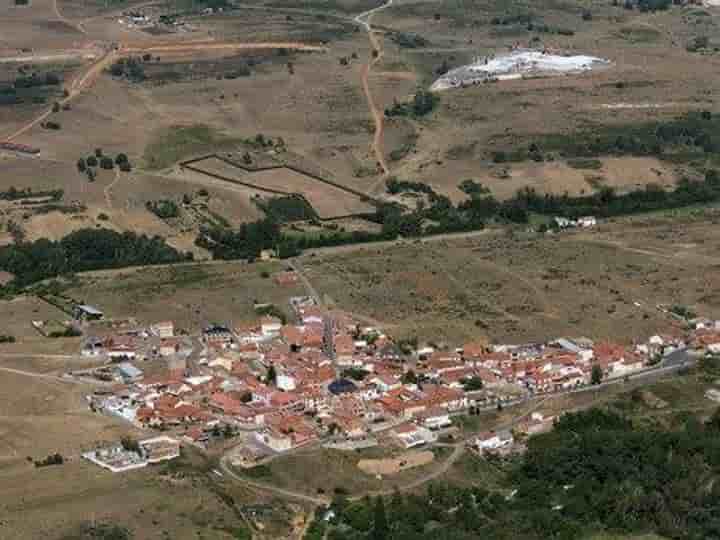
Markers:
point(91, 161)
point(121, 158)
point(409, 377)
point(596, 375)
point(81, 165)
point(271, 374)
point(472, 384)
point(130, 444)
point(380, 523)
point(107, 163)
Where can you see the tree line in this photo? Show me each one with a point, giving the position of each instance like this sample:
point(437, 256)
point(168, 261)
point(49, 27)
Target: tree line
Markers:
point(83, 250)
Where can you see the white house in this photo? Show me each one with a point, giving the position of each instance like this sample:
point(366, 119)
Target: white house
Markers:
point(163, 329)
point(285, 381)
point(587, 221)
point(270, 326)
point(491, 441)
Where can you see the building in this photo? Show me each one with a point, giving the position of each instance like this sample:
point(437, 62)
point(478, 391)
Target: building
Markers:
point(159, 449)
point(129, 373)
point(87, 313)
point(492, 441)
point(164, 329)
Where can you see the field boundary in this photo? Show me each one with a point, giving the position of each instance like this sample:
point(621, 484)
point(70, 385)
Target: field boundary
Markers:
point(190, 164)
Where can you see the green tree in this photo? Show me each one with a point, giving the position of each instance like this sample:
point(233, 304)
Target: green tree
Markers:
point(271, 374)
point(380, 523)
point(596, 375)
point(409, 377)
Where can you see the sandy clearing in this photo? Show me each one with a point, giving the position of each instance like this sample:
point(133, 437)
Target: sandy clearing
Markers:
point(390, 466)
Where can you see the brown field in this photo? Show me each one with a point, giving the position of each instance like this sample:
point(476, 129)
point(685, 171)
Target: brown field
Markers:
point(16, 318)
point(192, 295)
point(517, 287)
point(328, 201)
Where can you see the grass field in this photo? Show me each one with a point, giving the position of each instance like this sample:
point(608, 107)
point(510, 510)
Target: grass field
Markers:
point(517, 287)
point(191, 295)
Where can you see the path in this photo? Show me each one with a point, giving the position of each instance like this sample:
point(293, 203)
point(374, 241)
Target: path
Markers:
point(287, 493)
point(377, 145)
point(45, 376)
point(312, 291)
point(78, 84)
point(62, 18)
point(108, 189)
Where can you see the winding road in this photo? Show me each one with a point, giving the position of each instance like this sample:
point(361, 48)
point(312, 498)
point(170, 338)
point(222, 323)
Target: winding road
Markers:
point(364, 20)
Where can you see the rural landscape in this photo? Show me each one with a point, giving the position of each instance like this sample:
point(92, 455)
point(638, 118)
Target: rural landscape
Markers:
point(359, 269)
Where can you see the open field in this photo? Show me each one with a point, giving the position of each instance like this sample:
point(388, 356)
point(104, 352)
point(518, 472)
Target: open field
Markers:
point(319, 471)
point(16, 318)
point(191, 295)
point(517, 287)
point(328, 201)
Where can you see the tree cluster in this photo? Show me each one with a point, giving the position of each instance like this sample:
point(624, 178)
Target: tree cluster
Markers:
point(83, 250)
point(595, 472)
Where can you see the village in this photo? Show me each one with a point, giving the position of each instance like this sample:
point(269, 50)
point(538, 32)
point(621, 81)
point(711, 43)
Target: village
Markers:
point(326, 378)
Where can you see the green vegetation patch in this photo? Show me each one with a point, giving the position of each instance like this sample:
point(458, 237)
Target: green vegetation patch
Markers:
point(585, 163)
point(640, 34)
point(177, 142)
point(287, 209)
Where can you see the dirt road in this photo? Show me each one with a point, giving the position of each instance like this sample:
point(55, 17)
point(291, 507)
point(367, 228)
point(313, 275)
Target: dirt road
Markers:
point(199, 46)
point(364, 19)
point(86, 79)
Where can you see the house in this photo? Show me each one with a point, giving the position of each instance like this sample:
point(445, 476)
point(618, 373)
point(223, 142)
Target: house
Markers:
point(87, 313)
point(159, 449)
point(563, 223)
point(285, 381)
point(435, 418)
point(120, 348)
point(344, 350)
point(128, 372)
point(411, 435)
point(169, 346)
point(163, 329)
point(386, 382)
point(493, 441)
point(270, 326)
point(587, 222)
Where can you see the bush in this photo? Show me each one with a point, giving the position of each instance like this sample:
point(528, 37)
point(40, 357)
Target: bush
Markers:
point(164, 209)
point(53, 459)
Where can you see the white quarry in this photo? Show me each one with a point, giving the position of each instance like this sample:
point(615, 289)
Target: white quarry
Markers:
point(517, 64)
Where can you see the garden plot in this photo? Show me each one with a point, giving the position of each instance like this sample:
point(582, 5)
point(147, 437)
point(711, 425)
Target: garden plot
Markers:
point(516, 65)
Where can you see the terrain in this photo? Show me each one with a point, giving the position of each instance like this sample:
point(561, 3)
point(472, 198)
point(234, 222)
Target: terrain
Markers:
point(222, 108)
